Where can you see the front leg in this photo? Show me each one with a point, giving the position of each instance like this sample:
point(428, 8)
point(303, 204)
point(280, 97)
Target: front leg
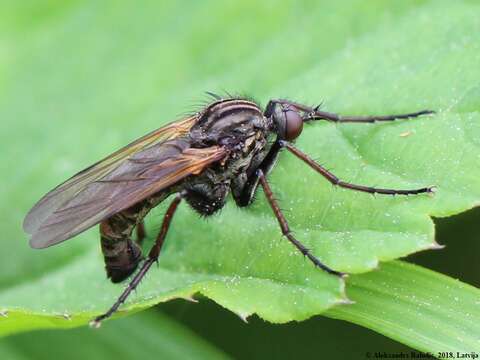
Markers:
point(314, 113)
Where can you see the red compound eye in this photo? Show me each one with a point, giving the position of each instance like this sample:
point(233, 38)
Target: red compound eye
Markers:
point(293, 125)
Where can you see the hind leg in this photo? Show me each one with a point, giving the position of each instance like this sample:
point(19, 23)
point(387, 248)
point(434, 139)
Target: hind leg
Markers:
point(152, 257)
point(141, 234)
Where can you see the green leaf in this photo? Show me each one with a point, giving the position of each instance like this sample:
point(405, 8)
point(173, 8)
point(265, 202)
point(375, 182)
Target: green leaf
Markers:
point(147, 335)
point(80, 81)
point(418, 307)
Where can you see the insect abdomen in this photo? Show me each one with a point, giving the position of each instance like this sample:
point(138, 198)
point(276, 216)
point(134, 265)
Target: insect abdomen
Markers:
point(120, 253)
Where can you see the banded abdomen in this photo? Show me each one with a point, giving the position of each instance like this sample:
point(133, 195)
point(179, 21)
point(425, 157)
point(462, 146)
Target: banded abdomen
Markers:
point(121, 253)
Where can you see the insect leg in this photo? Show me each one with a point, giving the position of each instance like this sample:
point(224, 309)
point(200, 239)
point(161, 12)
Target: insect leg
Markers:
point(323, 115)
point(313, 113)
point(336, 181)
point(285, 228)
point(141, 234)
point(152, 257)
point(245, 195)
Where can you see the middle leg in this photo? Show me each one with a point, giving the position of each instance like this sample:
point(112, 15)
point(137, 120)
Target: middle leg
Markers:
point(336, 181)
point(286, 229)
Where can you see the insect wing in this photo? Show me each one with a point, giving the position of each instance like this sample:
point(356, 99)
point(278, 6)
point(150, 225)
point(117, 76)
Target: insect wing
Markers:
point(140, 169)
point(66, 191)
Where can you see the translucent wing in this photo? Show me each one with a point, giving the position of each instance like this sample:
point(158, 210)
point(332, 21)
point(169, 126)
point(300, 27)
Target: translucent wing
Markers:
point(62, 193)
point(124, 178)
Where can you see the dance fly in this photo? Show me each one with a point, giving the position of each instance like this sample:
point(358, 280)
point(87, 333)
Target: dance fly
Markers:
point(230, 146)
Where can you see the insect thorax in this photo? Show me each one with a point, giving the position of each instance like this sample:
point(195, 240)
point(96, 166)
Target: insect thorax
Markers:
point(240, 126)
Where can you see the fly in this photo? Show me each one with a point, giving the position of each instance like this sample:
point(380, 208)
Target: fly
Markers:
point(231, 145)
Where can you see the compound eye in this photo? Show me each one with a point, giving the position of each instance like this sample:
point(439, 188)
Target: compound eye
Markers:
point(293, 125)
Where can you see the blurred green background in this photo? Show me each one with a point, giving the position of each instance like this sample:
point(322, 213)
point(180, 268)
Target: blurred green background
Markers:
point(55, 54)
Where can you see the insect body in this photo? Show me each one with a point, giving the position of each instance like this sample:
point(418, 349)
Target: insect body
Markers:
point(229, 146)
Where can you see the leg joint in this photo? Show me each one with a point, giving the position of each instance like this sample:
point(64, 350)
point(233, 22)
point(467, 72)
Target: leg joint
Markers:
point(282, 143)
point(285, 229)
